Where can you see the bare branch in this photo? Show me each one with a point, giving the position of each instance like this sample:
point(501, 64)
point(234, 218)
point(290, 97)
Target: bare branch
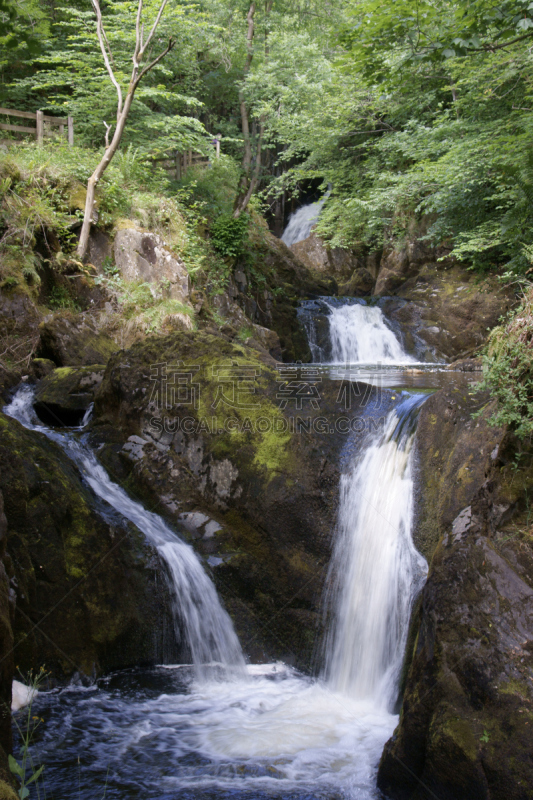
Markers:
point(102, 39)
point(138, 35)
point(109, 48)
point(107, 129)
point(154, 28)
point(124, 110)
point(168, 48)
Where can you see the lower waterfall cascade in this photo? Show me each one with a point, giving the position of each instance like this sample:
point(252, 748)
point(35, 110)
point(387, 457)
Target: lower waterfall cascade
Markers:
point(260, 731)
point(375, 571)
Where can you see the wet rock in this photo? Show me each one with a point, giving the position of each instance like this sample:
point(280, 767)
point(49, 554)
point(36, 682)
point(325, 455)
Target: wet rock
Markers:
point(466, 728)
point(65, 394)
point(267, 340)
point(89, 594)
point(395, 268)
point(454, 455)
point(142, 256)
point(286, 281)
point(41, 367)
point(6, 653)
point(450, 309)
point(466, 723)
point(8, 380)
point(19, 336)
point(319, 258)
point(73, 340)
point(360, 284)
point(240, 460)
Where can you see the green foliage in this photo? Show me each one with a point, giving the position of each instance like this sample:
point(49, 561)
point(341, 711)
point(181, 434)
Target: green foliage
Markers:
point(215, 188)
point(25, 770)
point(59, 297)
point(229, 235)
point(509, 370)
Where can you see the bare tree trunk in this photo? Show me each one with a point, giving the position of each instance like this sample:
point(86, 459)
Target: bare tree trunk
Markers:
point(123, 108)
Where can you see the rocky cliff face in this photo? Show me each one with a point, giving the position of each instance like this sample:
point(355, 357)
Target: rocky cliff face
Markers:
point(466, 724)
point(262, 477)
point(449, 309)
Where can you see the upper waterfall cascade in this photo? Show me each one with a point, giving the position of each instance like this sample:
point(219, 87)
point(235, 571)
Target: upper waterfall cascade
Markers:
point(360, 334)
point(301, 223)
point(357, 333)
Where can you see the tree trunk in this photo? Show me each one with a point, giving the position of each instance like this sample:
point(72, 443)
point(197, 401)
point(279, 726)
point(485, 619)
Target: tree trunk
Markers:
point(99, 171)
point(122, 110)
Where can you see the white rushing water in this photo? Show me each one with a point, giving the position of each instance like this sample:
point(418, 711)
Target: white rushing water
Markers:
point(269, 731)
point(360, 334)
point(376, 570)
point(208, 628)
point(301, 223)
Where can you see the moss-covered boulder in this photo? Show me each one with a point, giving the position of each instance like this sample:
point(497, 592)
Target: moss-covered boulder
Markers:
point(89, 594)
point(70, 339)
point(65, 394)
point(200, 424)
point(7, 792)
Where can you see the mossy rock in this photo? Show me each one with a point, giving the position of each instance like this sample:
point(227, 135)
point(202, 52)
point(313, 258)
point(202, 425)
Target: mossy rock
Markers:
point(89, 594)
point(65, 394)
point(272, 485)
point(72, 340)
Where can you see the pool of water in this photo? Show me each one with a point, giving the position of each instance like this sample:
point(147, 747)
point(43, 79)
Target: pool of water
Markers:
point(155, 733)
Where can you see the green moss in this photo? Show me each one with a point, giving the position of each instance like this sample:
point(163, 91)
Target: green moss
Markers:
point(460, 733)
point(7, 792)
point(515, 686)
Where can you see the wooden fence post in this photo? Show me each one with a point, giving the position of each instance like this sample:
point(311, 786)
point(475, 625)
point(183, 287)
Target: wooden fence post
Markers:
point(217, 139)
point(178, 166)
point(39, 131)
point(70, 131)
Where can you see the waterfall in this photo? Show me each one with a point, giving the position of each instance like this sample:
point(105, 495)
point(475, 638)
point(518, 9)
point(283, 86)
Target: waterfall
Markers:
point(270, 731)
point(375, 571)
point(197, 610)
point(349, 331)
point(301, 223)
point(360, 334)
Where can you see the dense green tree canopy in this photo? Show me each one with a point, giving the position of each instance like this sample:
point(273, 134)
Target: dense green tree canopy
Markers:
point(405, 108)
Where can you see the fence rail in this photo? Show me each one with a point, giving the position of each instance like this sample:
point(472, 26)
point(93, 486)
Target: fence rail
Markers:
point(43, 124)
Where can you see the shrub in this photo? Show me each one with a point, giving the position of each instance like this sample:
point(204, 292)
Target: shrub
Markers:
point(509, 369)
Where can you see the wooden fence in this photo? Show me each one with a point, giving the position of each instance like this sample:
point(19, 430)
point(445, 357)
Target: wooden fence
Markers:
point(43, 125)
